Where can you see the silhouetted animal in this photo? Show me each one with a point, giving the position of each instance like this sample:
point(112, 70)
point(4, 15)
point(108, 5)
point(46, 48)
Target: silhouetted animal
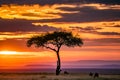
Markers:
point(65, 72)
point(96, 75)
point(90, 74)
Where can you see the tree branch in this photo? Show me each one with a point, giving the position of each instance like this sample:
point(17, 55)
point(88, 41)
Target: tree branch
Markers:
point(49, 48)
point(59, 46)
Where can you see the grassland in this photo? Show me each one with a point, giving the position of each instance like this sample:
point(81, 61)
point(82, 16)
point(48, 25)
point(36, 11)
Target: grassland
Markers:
point(51, 76)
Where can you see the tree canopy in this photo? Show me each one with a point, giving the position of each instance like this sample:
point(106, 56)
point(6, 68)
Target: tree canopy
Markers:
point(55, 40)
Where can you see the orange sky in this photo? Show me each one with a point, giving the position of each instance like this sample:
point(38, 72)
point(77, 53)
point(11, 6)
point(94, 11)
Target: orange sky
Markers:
point(98, 24)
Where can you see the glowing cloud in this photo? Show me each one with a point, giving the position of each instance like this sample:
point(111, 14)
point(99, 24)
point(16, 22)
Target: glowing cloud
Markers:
point(30, 12)
point(8, 52)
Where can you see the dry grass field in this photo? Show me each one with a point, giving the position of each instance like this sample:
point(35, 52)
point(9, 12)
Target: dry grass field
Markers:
point(51, 76)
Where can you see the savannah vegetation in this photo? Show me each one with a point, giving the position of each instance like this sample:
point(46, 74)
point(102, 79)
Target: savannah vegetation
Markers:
point(51, 76)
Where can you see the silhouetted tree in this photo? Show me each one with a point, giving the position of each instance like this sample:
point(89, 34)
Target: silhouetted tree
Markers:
point(54, 41)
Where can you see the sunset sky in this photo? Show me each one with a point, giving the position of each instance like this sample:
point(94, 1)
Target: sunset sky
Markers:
point(96, 22)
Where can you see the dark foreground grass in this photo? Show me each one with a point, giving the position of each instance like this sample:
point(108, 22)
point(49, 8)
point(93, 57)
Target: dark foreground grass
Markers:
point(51, 76)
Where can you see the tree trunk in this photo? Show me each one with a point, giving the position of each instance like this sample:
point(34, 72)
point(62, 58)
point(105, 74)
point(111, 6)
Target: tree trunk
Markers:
point(58, 70)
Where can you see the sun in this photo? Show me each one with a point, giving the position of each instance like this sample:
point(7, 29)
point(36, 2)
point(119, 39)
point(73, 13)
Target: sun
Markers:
point(8, 52)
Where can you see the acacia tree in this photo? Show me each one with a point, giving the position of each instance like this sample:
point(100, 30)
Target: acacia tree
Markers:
point(54, 41)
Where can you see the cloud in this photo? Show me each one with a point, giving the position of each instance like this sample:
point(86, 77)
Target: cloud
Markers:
point(109, 40)
point(116, 26)
point(29, 12)
point(108, 2)
point(17, 35)
point(103, 42)
point(108, 33)
point(86, 14)
point(17, 25)
point(47, 2)
point(62, 13)
point(41, 2)
point(90, 29)
point(86, 29)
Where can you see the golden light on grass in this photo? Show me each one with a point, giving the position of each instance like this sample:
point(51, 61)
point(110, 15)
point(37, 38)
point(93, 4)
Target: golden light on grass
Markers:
point(8, 52)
